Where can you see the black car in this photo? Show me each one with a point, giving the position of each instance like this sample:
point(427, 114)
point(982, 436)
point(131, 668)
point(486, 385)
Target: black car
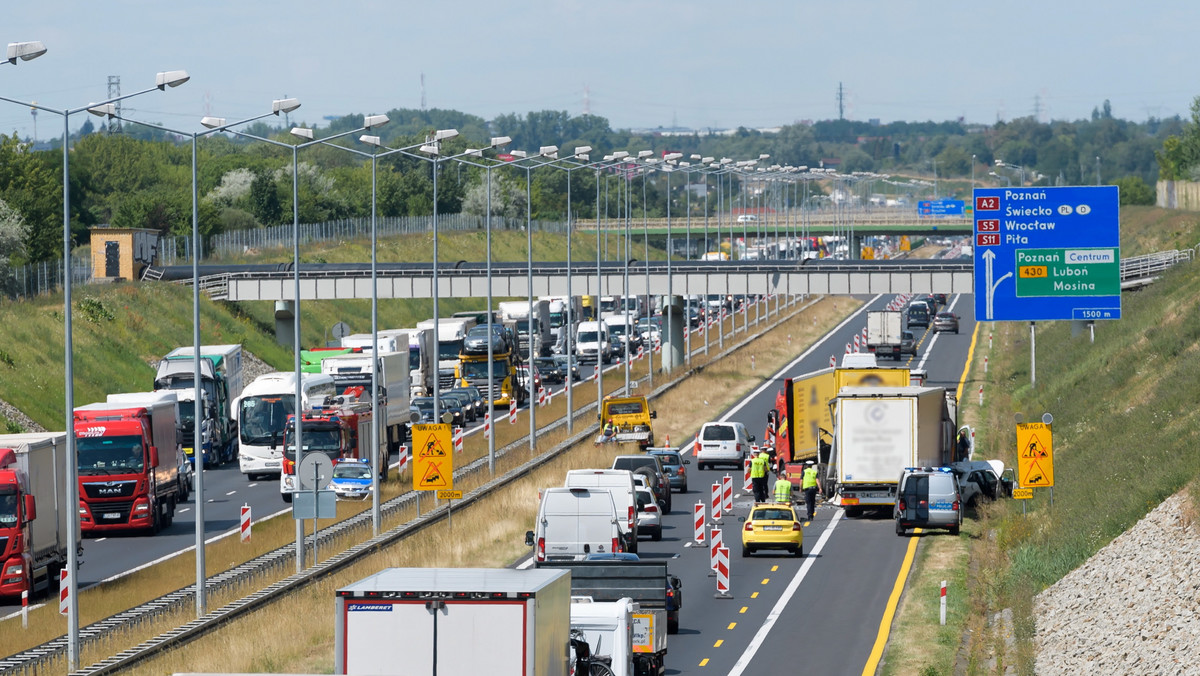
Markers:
point(474, 398)
point(550, 369)
point(561, 360)
point(425, 406)
point(452, 399)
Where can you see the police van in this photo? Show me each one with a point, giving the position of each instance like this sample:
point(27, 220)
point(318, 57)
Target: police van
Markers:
point(928, 497)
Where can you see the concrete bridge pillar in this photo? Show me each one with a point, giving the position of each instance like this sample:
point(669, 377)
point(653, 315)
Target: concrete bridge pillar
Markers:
point(285, 316)
point(674, 316)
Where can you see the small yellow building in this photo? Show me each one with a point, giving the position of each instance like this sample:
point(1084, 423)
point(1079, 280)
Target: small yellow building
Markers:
point(122, 253)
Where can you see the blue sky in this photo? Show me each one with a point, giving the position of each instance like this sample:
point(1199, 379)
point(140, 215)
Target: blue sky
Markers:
point(644, 63)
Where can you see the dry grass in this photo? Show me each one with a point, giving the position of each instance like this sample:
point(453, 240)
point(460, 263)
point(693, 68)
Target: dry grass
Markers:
point(919, 644)
point(496, 523)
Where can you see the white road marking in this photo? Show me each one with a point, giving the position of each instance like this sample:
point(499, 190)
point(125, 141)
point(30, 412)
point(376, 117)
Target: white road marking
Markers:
point(181, 510)
point(784, 599)
point(231, 493)
point(18, 613)
point(99, 540)
point(252, 484)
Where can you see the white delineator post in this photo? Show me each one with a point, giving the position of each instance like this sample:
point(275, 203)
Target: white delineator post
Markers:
point(943, 603)
point(25, 609)
point(981, 395)
point(722, 574)
point(716, 503)
point(245, 522)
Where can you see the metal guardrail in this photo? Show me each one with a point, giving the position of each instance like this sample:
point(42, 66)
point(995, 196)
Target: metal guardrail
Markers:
point(1154, 264)
point(33, 660)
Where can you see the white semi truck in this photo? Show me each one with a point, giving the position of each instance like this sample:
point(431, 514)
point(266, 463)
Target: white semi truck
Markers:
point(450, 334)
point(877, 432)
point(425, 621)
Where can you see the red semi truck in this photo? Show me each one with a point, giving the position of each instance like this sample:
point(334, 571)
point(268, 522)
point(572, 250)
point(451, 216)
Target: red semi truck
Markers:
point(128, 466)
point(33, 517)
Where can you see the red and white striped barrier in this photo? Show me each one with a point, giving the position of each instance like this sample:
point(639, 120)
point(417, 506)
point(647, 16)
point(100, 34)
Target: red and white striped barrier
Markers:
point(747, 484)
point(458, 440)
point(550, 395)
point(64, 589)
point(487, 425)
point(698, 523)
point(596, 371)
point(641, 352)
point(716, 502)
point(864, 335)
point(856, 342)
point(403, 459)
point(727, 494)
point(541, 396)
point(714, 543)
point(657, 347)
point(832, 361)
point(847, 348)
point(245, 523)
point(512, 411)
point(723, 574)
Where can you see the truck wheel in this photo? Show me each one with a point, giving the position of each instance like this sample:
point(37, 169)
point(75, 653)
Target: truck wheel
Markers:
point(854, 512)
point(169, 515)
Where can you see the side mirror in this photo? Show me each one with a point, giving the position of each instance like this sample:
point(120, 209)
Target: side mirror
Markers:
point(528, 538)
point(30, 508)
point(741, 519)
point(654, 414)
point(751, 437)
point(676, 582)
point(154, 456)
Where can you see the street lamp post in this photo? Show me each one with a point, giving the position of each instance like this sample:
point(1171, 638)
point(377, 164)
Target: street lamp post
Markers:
point(214, 125)
point(165, 79)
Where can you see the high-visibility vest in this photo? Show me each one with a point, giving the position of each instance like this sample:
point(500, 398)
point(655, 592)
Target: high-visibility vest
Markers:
point(809, 480)
point(758, 467)
point(783, 490)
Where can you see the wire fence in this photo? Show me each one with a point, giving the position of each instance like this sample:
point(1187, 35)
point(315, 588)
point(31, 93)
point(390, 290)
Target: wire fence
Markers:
point(36, 279)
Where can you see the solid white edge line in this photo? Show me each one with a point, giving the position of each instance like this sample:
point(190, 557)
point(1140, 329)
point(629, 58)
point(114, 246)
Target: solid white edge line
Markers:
point(803, 355)
point(784, 599)
point(18, 613)
point(525, 564)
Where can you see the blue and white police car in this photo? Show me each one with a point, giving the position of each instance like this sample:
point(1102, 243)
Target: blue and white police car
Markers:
point(352, 479)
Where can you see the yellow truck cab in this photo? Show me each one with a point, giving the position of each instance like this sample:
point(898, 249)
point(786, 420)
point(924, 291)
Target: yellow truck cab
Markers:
point(631, 416)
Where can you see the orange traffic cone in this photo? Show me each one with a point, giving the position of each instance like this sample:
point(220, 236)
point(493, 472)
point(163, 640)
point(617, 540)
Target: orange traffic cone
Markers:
point(696, 446)
point(668, 441)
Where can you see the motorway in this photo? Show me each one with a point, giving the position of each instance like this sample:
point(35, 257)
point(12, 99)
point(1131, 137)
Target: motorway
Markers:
point(820, 613)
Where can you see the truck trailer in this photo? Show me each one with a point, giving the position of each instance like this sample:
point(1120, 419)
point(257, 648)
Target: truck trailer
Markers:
point(33, 512)
point(877, 432)
point(221, 378)
point(884, 331)
point(425, 621)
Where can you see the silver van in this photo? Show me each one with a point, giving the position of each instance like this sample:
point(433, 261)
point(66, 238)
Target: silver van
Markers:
point(928, 497)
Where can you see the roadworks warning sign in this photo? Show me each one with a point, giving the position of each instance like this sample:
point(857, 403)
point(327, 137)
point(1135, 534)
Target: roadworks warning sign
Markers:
point(1035, 455)
point(433, 463)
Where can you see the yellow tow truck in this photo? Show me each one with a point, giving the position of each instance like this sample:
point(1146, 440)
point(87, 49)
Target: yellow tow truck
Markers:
point(631, 416)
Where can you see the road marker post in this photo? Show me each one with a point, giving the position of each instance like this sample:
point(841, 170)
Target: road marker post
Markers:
point(25, 609)
point(717, 502)
point(727, 494)
point(722, 574)
point(981, 395)
point(714, 543)
point(698, 525)
point(245, 522)
point(943, 618)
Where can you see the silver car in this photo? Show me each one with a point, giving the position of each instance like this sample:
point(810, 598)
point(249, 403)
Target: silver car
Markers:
point(649, 518)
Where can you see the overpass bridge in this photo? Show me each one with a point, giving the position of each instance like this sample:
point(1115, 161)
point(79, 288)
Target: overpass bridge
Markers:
point(470, 280)
point(814, 224)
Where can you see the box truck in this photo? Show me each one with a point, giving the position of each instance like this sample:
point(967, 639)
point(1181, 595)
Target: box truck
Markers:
point(877, 432)
point(33, 512)
point(884, 329)
point(425, 621)
point(450, 334)
point(220, 377)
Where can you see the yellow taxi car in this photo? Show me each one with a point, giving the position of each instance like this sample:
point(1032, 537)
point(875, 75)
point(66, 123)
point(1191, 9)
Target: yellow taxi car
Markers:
point(772, 526)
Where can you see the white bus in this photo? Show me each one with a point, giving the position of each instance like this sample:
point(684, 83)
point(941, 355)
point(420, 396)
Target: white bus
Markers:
point(262, 413)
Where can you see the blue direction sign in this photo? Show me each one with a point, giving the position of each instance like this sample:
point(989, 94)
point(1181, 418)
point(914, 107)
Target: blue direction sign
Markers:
point(940, 208)
point(1047, 253)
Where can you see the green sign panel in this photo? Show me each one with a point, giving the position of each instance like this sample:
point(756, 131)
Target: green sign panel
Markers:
point(1068, 272)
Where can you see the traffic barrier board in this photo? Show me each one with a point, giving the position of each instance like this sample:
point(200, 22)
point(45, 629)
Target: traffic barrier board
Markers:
point(1035, 455)
point(1022, 493)
point(433, 463)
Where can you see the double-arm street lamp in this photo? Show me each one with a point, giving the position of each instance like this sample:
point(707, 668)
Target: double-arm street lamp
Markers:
point(214, 124)
point(163, 80)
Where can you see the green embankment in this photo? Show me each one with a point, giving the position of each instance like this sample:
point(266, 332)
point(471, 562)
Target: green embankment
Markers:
point(119, 329)
point(1125, 425)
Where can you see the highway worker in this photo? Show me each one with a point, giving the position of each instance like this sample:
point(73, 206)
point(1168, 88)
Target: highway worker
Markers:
point(758, 475)
point(608, 434)
point(809, 483)
point(783, 489)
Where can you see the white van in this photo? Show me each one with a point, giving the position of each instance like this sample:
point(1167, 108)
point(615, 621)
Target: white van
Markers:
point(592, 343)
point(621, 330)
point(574, 522)
point(262, 411)
point(859, 360)
point(723, 443)
point(619, 482)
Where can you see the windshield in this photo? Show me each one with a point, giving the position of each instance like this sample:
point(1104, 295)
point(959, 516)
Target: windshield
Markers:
point(617, 329)
point(350, 470)
point(261, 419)
point(414, 358)
point(556, 319)
point(718, 433)
point(8, 506)
point(523, 326)
point(327, 440)
point(630, 304)
point(472, 370)
point(587, 337)
point(545, 364)
point(625, 408)
point(110, 455)
point(608, 305)
point(448, 350)
point(423, 404)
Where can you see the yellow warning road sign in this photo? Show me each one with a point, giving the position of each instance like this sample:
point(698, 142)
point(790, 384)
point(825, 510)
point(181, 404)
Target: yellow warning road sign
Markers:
point(1035, 455)
point(433, 463)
